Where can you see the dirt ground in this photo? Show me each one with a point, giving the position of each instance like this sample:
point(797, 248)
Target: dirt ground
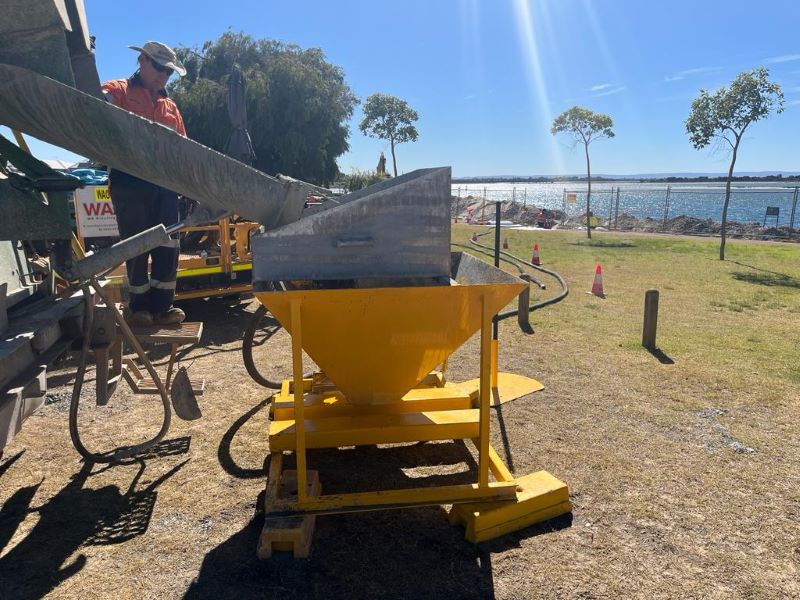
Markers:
point(665, 504)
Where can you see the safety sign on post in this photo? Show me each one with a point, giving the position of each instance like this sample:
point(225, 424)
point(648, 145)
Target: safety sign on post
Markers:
point(94, 212)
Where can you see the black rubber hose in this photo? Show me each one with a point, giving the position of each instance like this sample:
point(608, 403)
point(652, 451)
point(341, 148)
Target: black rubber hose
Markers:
point(517, 262)
point(122, 452)
point(490, 253)
point(247, 350)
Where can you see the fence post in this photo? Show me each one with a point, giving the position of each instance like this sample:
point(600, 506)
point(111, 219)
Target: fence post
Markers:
point(610, 205)
point(791, 219)
point(513, 194)
point(483, 209)
point(666, 211)
point(525, 198)
point(616, 210)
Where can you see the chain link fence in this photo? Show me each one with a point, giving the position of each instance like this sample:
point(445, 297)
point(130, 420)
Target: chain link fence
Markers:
point(768, 212)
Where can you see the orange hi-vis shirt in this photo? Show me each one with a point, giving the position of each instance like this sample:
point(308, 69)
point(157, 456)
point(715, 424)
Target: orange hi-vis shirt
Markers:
point(133, 97)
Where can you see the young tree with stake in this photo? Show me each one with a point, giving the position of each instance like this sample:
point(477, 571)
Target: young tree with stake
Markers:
point(389, 118)
point(726, 115)
point(585, 126)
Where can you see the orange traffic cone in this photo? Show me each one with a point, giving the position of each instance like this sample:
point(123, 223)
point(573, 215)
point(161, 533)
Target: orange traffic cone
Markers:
point(597, 286)
point(474, 237)
point(505, 243)
point(536, 260)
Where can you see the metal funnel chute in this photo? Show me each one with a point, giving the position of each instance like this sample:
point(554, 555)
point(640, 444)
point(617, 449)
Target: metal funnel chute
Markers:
point(376, 344)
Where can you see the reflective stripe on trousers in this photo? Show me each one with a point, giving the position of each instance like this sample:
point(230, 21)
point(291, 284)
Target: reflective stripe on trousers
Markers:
point(138, 206)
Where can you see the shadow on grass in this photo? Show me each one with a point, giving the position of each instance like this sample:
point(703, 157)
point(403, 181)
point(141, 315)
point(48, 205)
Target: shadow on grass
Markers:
point(503, 432)
point(6, 465)
point(76, 516)
point(765, 277)
point(224, 450)
point(412, 553)
point(659, 354)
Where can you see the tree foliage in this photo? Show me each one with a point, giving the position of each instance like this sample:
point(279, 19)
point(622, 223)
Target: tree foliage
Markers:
point(726, 114)
point(584, 126)
point(298, 104)
point(389, 118)
point(358, 179)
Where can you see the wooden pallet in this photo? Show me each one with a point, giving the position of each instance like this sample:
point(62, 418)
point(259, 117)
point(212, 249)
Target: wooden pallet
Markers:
point(288, 534)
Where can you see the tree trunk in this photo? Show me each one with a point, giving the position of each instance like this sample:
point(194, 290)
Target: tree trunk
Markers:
point(394, 158)
point(727, 202)
point(588, 193)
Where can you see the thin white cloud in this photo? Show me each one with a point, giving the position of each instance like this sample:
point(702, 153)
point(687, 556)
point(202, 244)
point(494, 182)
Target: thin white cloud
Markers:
point(782, 59)
point(599, 87)
point(611, 91)
point(687, 72)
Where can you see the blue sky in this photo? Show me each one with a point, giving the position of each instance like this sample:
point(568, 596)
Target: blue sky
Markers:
point(488, 76)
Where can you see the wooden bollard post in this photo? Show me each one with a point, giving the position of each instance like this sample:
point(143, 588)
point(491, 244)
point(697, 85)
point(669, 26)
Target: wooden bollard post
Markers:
point(650, 319)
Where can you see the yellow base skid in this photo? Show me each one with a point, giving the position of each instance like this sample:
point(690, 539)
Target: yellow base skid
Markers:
point(540, 497)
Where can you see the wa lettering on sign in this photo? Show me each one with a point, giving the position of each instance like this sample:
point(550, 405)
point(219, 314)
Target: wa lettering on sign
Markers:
point(98, 209)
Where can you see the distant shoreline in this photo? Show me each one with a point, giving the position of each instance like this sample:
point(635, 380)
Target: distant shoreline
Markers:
point(668, 179)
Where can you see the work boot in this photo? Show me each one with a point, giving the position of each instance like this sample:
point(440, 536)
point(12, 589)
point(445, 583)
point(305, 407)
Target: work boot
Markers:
point(139, 318)
point(171, 316)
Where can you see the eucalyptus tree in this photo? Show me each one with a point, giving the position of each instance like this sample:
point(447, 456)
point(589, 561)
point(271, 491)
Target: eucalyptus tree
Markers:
point(298, 104)
point(389, 118)
point(726, 114)
point(584, 126)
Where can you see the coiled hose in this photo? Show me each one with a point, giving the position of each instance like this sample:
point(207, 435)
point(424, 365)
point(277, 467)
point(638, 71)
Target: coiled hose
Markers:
point(122, 452)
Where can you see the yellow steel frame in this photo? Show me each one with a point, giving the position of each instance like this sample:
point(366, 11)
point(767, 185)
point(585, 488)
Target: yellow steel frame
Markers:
point(228, 262)
point(384, 425)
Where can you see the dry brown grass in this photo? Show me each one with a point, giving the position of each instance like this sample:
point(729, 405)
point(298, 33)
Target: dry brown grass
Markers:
point(664, 505)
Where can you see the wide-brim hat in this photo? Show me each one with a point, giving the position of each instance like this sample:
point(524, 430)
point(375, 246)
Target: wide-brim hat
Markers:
point(163, 55)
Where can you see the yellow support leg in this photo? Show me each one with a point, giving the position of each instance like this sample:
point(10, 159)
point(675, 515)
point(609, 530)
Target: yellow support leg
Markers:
point(494, 364)
point(485, 395)
point(299, 404)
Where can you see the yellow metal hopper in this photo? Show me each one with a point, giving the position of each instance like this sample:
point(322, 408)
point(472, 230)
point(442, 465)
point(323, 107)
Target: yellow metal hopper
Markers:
point(376, 344)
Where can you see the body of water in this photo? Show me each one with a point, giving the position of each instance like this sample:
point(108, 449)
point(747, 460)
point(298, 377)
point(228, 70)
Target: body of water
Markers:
point(749, 201)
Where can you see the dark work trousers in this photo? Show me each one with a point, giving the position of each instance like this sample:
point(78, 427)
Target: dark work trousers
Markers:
point(140, 205)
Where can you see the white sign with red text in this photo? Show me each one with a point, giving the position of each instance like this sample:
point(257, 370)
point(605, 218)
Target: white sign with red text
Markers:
point(94, 212)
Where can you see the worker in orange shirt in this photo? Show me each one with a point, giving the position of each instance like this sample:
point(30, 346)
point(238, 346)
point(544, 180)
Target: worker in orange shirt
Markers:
point(139, 204)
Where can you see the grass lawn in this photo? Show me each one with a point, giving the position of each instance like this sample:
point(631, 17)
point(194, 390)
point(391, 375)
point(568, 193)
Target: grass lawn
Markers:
point(684, 471)
point(685, 476)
